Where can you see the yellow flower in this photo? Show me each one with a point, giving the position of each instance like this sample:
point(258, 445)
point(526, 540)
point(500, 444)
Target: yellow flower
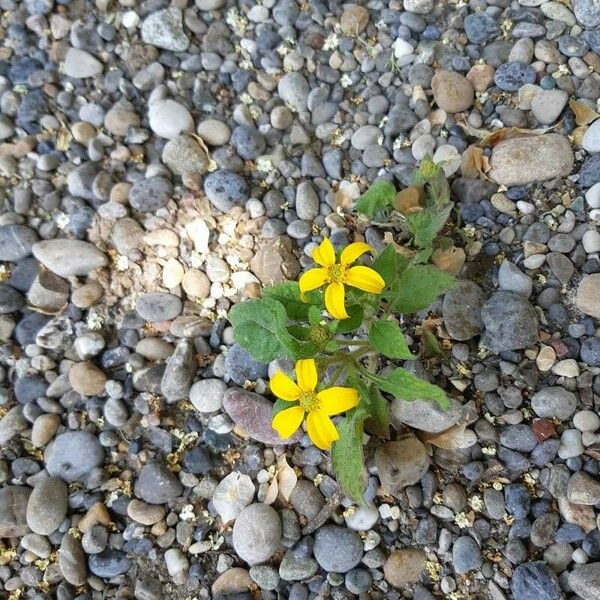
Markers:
point(336, 275)
point(318, 406)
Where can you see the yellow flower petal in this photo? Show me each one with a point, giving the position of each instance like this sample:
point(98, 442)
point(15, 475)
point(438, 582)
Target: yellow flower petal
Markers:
point(336, 400)
point(334, 300)
point(287, 421)
point(321, 429)
point(312, 279)
point(365, 278)
point(353, 251)
point(324, 254)
point(306, 374)
point(283, 387)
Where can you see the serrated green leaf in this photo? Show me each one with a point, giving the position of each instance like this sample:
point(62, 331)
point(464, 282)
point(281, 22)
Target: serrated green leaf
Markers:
point(354, 321)
point(288, 294)
point(259, 326)
point(425, 224)
point(406, 386)
point(378, 421)
point(387, 338)
point(347, 457)
point(378, 197)
point(390, 265)
point(417, 287)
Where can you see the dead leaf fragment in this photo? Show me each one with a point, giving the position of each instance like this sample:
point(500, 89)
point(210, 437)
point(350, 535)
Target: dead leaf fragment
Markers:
point(584, 115)
point(449, 260)
point(409, 199)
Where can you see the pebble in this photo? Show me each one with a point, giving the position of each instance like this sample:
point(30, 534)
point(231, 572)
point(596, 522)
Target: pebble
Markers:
point(87, 379)
point(72, 455)
point(157, 485)
point(47, 506)
point(13, 505)
point(523, 160)
point(452, 92)
point(587, 299)
point(591, 138)
point(80, 64)
point(69, 257)
point(461, 310)
point(150, 195)
point(510, 76)
point(183, 154)
point(109, 564)
point(510, 322)
point(225, 189)
point(169, 119)
point(207, 395)
point(158, 306)
point(535, 580)
point(547, 105)
point(293, 90)
point(401, 463)
point(71, 560)
point(214, 132)
point(164, 29)
point(584, 581)
point(427, 416)
point(404, 567)
point(337, 549)
point(554, 403)
point(16, 242)
point(256, 533)
point(466, 555)
point(234, 493)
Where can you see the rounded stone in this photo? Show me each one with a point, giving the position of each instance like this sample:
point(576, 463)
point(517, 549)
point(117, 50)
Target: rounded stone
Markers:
point(257, 533)
point(47, 506)
point(158, 306)
point(404, 567)
point(73, 454)
point(207, 395)
point(337, 549)
point(87, 379)
point(452, 91)
point(157, 485)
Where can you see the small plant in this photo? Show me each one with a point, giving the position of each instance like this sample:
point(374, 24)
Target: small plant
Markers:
point(337, 324)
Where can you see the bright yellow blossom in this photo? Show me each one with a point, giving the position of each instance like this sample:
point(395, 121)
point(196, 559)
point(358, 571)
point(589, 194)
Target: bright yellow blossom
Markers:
point(317, 406)
point(336, 275)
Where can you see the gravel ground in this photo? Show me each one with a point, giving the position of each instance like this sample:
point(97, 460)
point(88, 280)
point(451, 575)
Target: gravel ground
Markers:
point(161, 161)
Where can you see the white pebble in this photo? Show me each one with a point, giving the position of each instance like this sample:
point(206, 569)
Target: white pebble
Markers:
point(591, 241)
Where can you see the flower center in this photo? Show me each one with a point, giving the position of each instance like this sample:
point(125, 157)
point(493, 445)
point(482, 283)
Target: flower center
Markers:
point(309, 401)
point(337, 274)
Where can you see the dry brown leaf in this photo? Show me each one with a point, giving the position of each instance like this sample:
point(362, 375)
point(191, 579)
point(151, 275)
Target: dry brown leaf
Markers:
point(584, 115)
point(455, 438)
point(388, 238)
point(449, 260)
point(474, 163)
point(272, 492)
point(409, 199)
point(578, 134)
point(286, 478)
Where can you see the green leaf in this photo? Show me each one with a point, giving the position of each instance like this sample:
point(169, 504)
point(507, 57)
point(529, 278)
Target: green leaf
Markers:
point(425, 224)
point(314, 315)
point(378, 197)
point(259, 328)
point(288, 294)
point(354, 321)
point(387, 338)
point(348, 458)
point(390, 265)
point(406, 386)
point(281, 405)
point(417, 287)
point(379, 413)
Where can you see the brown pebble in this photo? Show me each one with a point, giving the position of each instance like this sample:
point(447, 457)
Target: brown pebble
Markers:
point(97, 514)
point(87, 379)
point(87, 295)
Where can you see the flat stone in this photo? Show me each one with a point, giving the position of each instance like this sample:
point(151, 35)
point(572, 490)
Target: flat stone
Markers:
point(80, 64)
point(547, 105)
point(16, 242)
point(554, 403)
point(169, 119)
point(583, 489)
point(184, 154)
point(587, 299)
point(511, 323)
point(584, 580)
point(164, 29)
point(150, 195)
point(179, 372)
point(404, 567)
point(253, 415)
point(522, 160)
point(87, 379)
point(12, 424)
point(67, 257)
point(232, 495)
point(427, 416)
point(71, 560)
point(157, 485)
point(158, 306)
point(275, 262)
point(535, 581)
point(461, 310)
